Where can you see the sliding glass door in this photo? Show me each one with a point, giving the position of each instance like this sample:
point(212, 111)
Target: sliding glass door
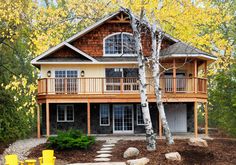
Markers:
point(122, 118)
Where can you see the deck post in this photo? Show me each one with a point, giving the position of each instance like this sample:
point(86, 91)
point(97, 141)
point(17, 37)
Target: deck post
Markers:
point(206, 119)
point(38, 120)
point(160, 127)
point(195, 120)
point(195, 76)
point(88, 119)
point(47, 120)
point(174, 75)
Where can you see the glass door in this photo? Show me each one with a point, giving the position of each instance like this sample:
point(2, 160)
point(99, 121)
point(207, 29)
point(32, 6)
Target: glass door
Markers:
point(66, 81)
point(122, 118)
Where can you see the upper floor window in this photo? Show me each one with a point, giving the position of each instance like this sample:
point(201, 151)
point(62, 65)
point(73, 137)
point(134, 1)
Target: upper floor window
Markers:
point(119, 44)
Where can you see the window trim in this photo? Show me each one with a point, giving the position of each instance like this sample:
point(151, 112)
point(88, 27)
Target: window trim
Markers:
point(66, 69)
point(137, 114)
point(115, 55)
point(65, 114)
point(108, 115)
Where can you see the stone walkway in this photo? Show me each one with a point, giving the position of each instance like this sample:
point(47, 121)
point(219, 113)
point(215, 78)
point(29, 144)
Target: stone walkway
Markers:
point(106, 151)
point(22, 147)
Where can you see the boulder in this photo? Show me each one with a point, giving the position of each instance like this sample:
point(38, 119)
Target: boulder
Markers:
point(131, 152)
point(174, 156)
point(197, 142)
point(141, 161)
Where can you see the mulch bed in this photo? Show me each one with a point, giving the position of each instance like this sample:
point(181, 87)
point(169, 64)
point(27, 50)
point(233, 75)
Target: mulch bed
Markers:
point(218, 152)
point(3, 146)
point(69, 156)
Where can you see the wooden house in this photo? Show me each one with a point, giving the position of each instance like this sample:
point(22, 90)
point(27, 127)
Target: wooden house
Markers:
point(90, 82)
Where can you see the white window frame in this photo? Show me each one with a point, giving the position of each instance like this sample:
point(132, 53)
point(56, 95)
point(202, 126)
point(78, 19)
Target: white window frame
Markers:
point(121, 54)
point(63, 69)
point(138, 105)
point(100, 120)
point(65, 113)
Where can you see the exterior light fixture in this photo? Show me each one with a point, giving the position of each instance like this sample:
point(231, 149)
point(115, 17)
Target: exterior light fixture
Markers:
point(82, 73)
point(49, 73)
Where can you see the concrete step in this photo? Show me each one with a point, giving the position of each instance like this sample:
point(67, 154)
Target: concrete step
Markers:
point(106, 149)
point(108, 145)
point(104, 152)
point(102, 159)
point(103, 155)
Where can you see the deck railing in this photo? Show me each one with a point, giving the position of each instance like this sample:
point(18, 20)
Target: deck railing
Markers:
point(118, 85)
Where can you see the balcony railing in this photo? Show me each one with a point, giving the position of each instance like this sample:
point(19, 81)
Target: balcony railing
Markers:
point(118, 85)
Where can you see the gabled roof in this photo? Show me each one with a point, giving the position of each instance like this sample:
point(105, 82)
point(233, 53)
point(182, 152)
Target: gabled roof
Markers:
point(79, 34)
point(181, 49)
point(54, 49)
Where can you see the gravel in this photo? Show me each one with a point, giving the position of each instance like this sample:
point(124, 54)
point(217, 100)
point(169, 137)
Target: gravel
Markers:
point(22, 147)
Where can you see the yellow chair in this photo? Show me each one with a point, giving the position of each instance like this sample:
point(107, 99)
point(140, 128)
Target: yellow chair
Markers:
point(48, 158)
point(12, 160)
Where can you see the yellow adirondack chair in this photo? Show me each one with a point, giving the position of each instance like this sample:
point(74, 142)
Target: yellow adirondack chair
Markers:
point(12, 160)
point(48, 158)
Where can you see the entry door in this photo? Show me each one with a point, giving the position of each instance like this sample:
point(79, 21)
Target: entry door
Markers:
point(122, 118)
point(176, 115)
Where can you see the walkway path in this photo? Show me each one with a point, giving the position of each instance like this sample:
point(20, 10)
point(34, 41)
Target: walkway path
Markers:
point(106, 151)
point(22, 147)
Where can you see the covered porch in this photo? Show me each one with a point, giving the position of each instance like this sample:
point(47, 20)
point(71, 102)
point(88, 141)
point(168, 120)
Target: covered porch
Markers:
point(89, 119)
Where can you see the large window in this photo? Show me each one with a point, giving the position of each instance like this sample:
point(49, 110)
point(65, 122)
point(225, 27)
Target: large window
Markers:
point(128, 76)
point(65, 113)
point(119, 44)
point(139, 115)
point(104, 115)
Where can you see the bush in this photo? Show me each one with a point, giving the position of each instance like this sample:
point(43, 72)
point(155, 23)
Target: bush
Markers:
point(72, 139)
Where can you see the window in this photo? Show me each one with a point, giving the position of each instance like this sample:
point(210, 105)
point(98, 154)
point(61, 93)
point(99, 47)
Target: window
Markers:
point(65, 113)
point(119, 43)
point(128, 75)
point(139, 115)
point(71, 84)
point(104, 115)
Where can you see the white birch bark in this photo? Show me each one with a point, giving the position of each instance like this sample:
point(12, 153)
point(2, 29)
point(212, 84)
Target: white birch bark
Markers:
point(156, 47)
point(150, 136)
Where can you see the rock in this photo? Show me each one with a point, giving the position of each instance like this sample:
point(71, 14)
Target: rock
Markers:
point(141, 161)
point(198, 142)
point(131, 152)
point(174, 156)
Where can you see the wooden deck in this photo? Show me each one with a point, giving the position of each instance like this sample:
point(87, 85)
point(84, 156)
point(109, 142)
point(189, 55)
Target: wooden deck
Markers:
point(61, 90)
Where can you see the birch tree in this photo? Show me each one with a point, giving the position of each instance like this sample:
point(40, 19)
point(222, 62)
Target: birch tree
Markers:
point(137, 28)
point(156, 47)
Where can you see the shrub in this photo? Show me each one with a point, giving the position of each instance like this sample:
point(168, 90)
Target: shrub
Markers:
point(72, 139)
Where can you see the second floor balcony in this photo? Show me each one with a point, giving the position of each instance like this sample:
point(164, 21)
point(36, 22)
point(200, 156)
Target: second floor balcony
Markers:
point(102, 85)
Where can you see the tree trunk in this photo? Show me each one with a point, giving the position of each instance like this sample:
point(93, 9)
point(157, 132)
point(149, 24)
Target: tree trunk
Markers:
point(150, 136)
point(156, 47)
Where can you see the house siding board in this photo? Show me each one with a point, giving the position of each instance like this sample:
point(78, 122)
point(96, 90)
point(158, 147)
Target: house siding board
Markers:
point(92, 42)
point(80, 119)
point(190, 117)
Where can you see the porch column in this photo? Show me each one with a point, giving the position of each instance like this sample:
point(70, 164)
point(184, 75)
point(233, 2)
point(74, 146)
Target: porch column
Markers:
point(206, 119)
point(195, 120)
point(174, 75)
point(205, 69)
point(88, 119)
point(160, 126)
point(195, 76)
point(47, 120)
point(38, 120)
